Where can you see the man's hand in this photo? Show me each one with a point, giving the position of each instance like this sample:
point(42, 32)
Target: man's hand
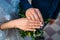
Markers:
point(51, 21)
point(34, 14)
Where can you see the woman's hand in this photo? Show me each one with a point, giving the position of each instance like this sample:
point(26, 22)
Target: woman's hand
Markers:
point(22, 24)
point(26, 25)
point(34, 14)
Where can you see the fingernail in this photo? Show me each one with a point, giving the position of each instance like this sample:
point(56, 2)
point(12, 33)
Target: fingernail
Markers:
point(41, 24)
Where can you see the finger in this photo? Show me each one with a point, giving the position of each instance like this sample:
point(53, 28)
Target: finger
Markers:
point(33, 27)
point(28, 15)
point(37, 22)
point(39, 15)
point(34, 23)
point(34, 14)
point(29, 18)
point(30, 30)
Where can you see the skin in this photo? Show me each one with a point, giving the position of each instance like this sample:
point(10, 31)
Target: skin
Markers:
point(22, 24)
point(35, 15)
point(51, 21)
point(32, 21)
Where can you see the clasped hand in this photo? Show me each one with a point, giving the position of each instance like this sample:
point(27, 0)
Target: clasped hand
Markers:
point(32, 21)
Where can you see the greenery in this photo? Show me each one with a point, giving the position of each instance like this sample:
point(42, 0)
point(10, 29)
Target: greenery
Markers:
point(37, 33)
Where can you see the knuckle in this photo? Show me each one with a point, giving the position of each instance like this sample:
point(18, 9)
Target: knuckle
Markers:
point(37, 9)
point(32, 10)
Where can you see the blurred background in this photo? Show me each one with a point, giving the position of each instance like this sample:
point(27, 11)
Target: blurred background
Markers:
point(52, 32)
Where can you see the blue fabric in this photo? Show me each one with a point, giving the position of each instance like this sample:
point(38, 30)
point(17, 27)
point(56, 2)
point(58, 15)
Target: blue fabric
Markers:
point(48, 8)
point(7, 7)
point(25, 4)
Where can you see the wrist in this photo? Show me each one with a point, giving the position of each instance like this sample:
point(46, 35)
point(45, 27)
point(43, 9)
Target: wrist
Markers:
point(7, 25)
point(0, 26)
point(12, 24)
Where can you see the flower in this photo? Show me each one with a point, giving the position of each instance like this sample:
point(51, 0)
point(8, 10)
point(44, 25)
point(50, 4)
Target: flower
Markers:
point(37, 33)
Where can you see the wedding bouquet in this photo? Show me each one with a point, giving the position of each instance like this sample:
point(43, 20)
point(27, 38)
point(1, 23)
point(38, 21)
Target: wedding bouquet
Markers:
point(34, 35)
